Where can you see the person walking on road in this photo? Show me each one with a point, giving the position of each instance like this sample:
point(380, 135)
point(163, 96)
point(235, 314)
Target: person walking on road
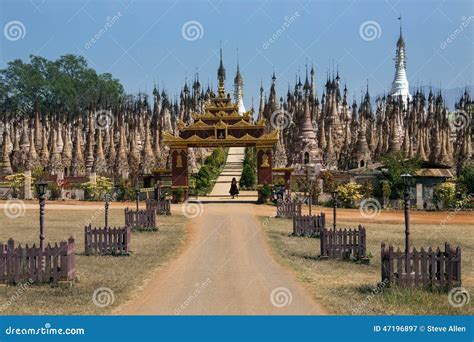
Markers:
point(234, 190)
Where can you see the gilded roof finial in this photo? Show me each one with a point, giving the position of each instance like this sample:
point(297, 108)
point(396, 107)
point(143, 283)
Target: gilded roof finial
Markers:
point(221, 76)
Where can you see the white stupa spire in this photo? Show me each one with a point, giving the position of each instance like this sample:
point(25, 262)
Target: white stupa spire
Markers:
point(238, 91)
point(400, 84)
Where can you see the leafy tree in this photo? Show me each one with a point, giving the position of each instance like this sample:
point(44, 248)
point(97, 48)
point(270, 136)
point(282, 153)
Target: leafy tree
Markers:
point(466, 178)
point(396, 165)
point(64, 84)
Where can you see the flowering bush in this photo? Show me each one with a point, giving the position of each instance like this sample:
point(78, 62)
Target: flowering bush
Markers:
point(16, 182)
point(96, 191)
point(349, 193)
point(445, 193)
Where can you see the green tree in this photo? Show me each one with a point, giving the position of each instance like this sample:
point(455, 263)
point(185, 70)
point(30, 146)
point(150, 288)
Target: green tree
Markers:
point(52, 86)
point(248, 179)
point(466, 178)
point(396, 165)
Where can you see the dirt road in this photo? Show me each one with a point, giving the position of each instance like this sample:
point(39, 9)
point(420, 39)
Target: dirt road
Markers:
point(227, 269)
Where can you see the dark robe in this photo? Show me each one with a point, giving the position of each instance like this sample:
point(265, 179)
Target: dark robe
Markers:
point(234, 190)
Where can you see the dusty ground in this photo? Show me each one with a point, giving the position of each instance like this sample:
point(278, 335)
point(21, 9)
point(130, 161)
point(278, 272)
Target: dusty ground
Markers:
point(231, 264)
point(347, 287)
point(122, 275)
point(227, 269)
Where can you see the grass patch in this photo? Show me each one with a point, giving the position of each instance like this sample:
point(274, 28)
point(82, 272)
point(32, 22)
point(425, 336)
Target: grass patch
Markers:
point(124, 275)
point(348, 288)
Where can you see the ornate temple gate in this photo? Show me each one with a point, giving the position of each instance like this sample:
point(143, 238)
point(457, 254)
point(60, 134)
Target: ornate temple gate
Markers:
point(220, 126)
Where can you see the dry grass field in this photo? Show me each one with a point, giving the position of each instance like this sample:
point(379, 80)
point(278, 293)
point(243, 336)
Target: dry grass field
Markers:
point(346, 288)
point(124, 275)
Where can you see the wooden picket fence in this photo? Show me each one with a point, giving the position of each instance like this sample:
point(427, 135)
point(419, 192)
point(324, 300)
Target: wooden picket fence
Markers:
point(286, 209)
point(344, 244)
point(162, 207)
point(107, 241)
point(140, 219)
point(425, 268)
point(53, 264)
point(309, 226)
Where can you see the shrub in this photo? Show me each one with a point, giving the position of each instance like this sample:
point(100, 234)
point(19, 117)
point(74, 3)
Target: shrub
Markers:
point(367, 189)
point(203, 179)
point(16, 182)
point(386, 188)
point(210, 170)
point(348, 194)
point(54, 191)
point(178, 194)
point(124, 191)
point(96, 191)
point(248, 178)
point(266, 191)
point(445, 193)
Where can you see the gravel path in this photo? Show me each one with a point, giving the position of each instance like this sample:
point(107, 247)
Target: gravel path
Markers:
point(227, 269)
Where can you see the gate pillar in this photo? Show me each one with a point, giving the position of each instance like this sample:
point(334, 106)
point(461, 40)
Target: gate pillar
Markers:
point(179, 173)
point(264, 169)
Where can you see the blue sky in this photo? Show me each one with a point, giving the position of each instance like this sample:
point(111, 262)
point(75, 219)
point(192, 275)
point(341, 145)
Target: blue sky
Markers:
point(145, 41)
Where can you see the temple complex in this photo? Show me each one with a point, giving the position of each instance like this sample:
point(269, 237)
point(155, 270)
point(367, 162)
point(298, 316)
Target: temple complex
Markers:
point(330, 131)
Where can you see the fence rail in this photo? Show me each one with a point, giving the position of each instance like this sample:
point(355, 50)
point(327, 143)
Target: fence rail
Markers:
point(162, 207)
point(344, 244)
point(288, 209)
point(140, 219)
point(21, 264)
point(309, 226)
point(424, 268)
point(105, 241)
